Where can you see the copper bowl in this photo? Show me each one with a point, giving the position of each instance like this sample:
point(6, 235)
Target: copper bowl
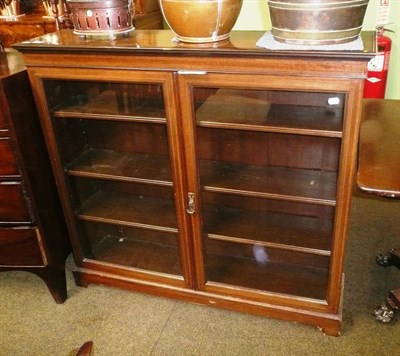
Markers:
point(199, 21)
point(96, 17)
point(316, 22)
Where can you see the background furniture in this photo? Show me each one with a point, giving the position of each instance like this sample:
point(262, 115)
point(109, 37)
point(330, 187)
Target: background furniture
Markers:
point(25, 27)
point(215, 173)
point(37, 22)
point(379, 173)
point(33, 235)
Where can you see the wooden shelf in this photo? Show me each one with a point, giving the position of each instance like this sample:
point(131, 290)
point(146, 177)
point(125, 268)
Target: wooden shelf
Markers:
point(122, 166)
point(232, 109)
point(149, 256)
point(284, 183)
point(145, 116)
point(282, 231)
point(112, 105)
point(283, 119)
point(285, 278)
point(130, 210)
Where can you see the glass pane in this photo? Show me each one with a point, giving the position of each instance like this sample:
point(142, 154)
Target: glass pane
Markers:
point(268, 164)
point(113, 145)
point(114, 149)
point(295, 167)
point(275, 223)
point(107, 98)
point(258, 267)
point(269, 108)
point(269, 240)
point(132, 247)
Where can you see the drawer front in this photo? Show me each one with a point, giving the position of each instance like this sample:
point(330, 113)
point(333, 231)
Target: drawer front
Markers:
point(21, 248)
point(8, 162)
point(13, 205)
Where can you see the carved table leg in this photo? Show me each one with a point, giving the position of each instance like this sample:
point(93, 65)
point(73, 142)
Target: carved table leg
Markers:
point(386, 312)
point(390, 258)
point(385, 259)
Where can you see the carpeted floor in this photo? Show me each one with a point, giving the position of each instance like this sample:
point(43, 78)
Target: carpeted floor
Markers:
point(125, 323)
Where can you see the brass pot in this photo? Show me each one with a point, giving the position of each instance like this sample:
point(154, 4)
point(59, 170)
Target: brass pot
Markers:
point(199, 21)
point(314, 22)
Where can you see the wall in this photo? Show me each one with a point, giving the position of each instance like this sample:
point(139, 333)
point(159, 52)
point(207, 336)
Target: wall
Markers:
point(255, 16)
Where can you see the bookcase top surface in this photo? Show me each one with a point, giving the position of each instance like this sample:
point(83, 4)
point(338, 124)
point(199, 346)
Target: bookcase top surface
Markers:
point(11, 62)
point(163, 42)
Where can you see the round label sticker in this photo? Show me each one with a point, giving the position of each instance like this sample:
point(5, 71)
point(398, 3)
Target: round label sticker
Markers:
point(376, 63)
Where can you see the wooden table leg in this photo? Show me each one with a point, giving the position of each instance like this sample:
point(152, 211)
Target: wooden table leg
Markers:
point(390, 258)
point(386, 312)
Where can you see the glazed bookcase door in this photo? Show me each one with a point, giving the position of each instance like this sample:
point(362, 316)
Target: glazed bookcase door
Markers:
point(117, 169)
point(266, 181)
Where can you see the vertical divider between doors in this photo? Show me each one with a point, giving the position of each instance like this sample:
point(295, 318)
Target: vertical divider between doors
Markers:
point(188, 131)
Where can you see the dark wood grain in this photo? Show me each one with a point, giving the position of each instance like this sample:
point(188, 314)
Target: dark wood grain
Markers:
point(14, 204)
point(379, 159)
point(33, 235)
point(8, 164)
point(19, 247)
point(156, 42)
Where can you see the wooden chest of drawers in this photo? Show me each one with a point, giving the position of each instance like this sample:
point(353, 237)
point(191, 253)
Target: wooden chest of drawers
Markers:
point(32, 231)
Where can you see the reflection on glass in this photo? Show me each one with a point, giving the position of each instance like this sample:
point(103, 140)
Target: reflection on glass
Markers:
point(255, 266)
point(113, 146)
point(107, 98)
point(268, 163)
point(264, 108)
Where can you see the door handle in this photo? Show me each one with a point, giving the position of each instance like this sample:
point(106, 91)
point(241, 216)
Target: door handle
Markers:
point(191, 207)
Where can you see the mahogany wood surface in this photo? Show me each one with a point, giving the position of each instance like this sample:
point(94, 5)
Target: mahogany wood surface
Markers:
point(24, 27)
point(379, 159)
point(379, 171)
point(33, 235)
point(8, 166)
point(13, 204)
point(215, 173)
point(241, 43)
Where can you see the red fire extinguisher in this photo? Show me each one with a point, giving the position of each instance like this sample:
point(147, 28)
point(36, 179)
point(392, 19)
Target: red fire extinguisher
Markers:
point(375, 84)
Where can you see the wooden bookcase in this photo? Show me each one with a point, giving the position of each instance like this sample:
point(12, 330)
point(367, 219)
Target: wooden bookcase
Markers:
point(216, 173)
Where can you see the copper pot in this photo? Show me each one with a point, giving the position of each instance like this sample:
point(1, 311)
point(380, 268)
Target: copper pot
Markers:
point(314, 22)
point(101, 17)
point(199, 21)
